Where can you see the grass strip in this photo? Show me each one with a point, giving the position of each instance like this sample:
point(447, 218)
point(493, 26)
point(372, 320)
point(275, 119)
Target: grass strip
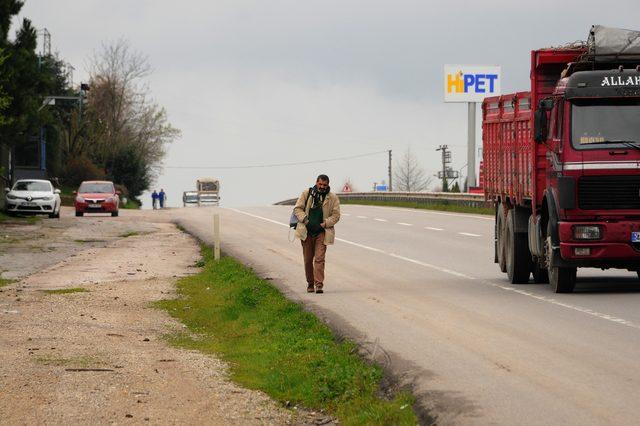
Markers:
point(431, 206)
point(275, 346)
point(6, 281)
point(15, 218)
point(66, 290)
point(129, 234)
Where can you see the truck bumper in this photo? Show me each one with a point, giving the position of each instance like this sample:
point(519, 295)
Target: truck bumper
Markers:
point(613, 250)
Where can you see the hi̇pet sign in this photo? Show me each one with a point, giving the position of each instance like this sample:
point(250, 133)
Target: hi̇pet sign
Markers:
point(470, 83)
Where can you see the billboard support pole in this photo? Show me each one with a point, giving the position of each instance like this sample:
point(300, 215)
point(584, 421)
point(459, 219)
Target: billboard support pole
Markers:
point(471, 145)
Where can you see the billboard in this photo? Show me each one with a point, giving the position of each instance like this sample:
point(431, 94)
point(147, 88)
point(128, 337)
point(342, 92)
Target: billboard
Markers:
point(470, 83)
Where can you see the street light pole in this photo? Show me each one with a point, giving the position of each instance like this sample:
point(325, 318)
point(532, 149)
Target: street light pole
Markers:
point(390, 174)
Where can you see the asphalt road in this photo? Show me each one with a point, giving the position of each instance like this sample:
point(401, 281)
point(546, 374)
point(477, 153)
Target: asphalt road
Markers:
point(420, 290)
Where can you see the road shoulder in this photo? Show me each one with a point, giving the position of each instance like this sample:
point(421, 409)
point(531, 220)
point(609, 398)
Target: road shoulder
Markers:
point(99, 356)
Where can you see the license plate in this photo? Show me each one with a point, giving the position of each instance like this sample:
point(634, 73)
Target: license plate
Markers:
point(94, 206)
point(29, 204)
point(635, 237)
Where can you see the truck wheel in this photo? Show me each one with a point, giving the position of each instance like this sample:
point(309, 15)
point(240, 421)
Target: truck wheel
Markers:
point(78, 214)
point(518, 258)
point(500, 236)
point(562, 279)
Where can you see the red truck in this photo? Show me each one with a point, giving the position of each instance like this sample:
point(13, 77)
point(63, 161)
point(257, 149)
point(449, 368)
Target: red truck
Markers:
point(562, 162)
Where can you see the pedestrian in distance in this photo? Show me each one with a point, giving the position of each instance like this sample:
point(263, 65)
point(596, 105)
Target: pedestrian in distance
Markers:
point(162, 197)
point(318, 211)
point(154, 199)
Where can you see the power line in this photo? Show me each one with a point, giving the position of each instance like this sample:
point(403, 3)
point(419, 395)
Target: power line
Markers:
point(256, 166)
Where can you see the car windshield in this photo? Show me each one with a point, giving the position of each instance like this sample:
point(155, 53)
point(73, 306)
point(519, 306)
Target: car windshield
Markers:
point(208, 186)
point(598, 124)
point(26, 185)
point(96, 188)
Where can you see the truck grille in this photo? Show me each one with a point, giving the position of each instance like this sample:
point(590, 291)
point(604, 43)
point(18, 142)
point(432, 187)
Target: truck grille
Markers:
point(609, 192)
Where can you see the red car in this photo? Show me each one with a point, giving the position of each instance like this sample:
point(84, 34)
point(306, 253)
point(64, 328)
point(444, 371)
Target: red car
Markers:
point(97, 196)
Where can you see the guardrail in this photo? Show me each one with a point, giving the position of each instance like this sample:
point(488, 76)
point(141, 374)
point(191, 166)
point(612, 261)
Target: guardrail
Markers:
point(453, 198)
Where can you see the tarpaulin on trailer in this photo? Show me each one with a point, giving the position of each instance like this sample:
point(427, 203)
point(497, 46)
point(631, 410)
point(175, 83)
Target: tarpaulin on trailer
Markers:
point(607, 44)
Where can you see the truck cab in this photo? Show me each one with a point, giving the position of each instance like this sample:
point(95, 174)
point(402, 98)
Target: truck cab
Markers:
point(590, 130)
point(208, 191)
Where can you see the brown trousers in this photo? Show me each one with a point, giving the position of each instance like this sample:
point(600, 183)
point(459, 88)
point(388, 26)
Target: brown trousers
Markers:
point(313, 251)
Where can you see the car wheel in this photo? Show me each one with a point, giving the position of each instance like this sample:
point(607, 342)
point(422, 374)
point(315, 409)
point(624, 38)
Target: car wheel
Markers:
point(114, 214)
point(79, 214)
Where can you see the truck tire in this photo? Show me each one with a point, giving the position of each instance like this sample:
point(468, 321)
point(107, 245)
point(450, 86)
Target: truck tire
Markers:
point(500, 236)
point(562, 279)
point(518, 257)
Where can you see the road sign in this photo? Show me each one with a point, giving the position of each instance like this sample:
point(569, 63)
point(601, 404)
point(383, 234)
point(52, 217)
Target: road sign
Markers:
point(382, 188)
point(470, 83)
point(346, 187)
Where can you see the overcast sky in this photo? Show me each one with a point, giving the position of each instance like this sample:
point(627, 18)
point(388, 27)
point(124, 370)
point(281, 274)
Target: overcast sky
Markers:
point(259, 82)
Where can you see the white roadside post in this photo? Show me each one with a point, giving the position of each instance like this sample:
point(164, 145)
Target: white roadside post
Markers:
point(216, 236)
point(471, 84)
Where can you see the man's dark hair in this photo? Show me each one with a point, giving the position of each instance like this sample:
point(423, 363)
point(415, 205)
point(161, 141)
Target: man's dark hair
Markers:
point(323, 178)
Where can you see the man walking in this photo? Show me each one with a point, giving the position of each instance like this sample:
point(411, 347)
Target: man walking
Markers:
point(317, 210)
point(154, 199)
point(162, 197)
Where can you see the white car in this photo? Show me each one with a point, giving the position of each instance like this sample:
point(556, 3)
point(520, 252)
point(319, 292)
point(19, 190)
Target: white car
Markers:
point(33, 196)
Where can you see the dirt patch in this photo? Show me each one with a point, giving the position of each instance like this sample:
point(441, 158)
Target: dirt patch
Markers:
point(26, 248)
point(99, 356)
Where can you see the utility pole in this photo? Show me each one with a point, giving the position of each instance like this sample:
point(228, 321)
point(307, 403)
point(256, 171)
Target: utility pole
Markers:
point(446, 159)
point(390, 174)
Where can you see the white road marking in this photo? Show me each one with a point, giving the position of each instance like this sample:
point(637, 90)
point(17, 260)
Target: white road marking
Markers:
point(469, 234)
point(428, 265)
point(404, 224)
point(345, 214)
point(426, 211)
point(361, 217)
point(586, 311)
point(380, 220)
point(433, 229)
point(259, 217)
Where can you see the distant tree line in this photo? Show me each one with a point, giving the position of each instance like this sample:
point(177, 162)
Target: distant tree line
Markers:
point(118, 132)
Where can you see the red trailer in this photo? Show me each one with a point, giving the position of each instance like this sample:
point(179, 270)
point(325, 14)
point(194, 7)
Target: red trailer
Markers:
point(562, 163)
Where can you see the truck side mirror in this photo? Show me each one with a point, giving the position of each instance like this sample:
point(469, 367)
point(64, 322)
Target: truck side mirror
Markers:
point(540, 120)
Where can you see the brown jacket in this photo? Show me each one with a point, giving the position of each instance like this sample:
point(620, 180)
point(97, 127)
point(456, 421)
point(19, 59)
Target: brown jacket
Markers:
point(330, 215)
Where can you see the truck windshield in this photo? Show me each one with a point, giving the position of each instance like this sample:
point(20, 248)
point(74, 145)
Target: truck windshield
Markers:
point(605, 124)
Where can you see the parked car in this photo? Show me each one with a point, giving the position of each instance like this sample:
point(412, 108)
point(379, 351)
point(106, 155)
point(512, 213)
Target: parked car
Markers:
point(97, 196)
point(189, 198)
point(33, 196)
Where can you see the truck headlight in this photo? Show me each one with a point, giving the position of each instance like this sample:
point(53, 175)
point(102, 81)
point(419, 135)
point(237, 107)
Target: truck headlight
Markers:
point(587, 232)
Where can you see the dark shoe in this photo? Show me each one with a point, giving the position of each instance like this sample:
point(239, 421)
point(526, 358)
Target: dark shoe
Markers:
point(319, 290)
point(310, 288)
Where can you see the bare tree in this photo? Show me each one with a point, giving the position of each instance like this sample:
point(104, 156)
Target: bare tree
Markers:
point(409, 176)
point(121, 118)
